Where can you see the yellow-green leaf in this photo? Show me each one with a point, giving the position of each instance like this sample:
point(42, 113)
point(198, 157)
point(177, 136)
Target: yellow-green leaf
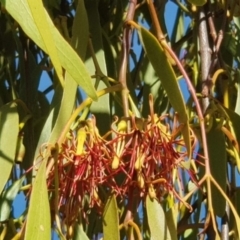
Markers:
point(79, 42)
point(66, 108)
point(100, 109)
point(79, 233)
point(171, 218)
point(165, 72)
point(80, 30)
point(9, 128)
point(7, 198)
point(111, 220)
point(157, 220)
point(38, 225)
point(39, 16)
point(197, 2)
point(218, 166)
point(69, 59)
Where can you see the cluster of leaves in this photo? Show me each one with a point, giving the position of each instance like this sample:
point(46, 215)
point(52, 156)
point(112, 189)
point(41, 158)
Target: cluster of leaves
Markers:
point(164, 170)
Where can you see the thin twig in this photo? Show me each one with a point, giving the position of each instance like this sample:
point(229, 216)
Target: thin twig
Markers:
point(127, 33)
point(189, 83)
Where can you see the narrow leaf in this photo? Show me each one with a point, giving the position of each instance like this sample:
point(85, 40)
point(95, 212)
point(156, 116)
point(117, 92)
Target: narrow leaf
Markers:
point(66, 108)
point(110, 220)
point(9, 127)
point(79, 42)
point(218, 166)
point(7, 198)
point(39, 17)
point(69, 59)
point(157, 220)
point(80, 30)
point(101, 108)
point(38, 225)
point(237, 108)
point(171, 218)
point(168, 79)
point(197, 2)
point(79, 233)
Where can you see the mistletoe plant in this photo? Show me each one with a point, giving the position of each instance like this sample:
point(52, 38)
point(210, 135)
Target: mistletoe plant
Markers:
point(112, 128)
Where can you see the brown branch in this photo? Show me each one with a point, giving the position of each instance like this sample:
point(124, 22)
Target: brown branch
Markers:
point(205, 56)
point(127, 33)
point(189, 84)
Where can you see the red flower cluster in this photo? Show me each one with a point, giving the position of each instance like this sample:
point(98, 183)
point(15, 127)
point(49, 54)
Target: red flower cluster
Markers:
point(140, 154)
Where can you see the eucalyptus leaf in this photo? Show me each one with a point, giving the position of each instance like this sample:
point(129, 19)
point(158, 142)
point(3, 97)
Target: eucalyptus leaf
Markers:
point(218, 166)
point(79, 41)
point(234, 121)
point(163, 68)
point(39, 16)
point(111, 220)
point(156, 220)
point(38, 225)
point(237, 107)
point(7, 197)
point(101, 108)
point(197, 2)
point(79, 233)
point(9, 128)
point(20, 11)
point(171, 218)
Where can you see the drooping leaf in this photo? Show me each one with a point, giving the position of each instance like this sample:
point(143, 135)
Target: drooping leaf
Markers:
point(218, 166)
point(101, 108)
point(9, 128)
point(45, 134)
point(69, 59)
point(157, 220)
point(152, 85)
point(79, 43)
point(39, 17)
point(38, 225)
point(7, 197)
point(168, 80)
point(171, 218)
point(111, 220)
point(79, 233)
point(237, 107)
point(80, 30)
point(197, 2)
point(66, 108)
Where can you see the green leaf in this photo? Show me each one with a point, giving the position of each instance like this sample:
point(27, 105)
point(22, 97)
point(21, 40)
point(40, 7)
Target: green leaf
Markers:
point(237, 108)
point(80, 30)
point(234, 122)
point(197, 2)
point(164, 70)
point(157, 220)
point(171, 218)
point(45, 134)
point(218, 166)
point(80, 35)
point(38, 225)
point(39, 17)
point(66, 108)
point(79, 233)
point(101, 108)
point(152, 85)
point(7, 198)
point(111, 220)
point(79, 42)
point(9, 128)
point(19, 10)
